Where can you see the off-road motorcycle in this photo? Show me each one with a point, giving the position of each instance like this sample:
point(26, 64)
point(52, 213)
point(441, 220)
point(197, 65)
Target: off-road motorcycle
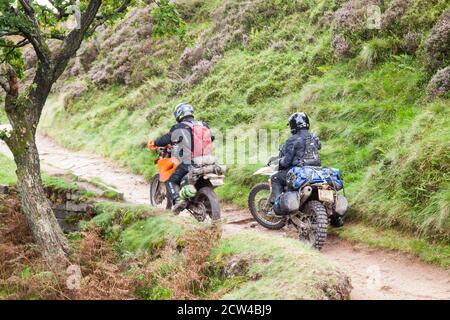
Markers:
point(197, 187)
point(315, 205)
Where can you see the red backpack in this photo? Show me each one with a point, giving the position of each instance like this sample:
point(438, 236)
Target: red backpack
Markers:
point(202, 139)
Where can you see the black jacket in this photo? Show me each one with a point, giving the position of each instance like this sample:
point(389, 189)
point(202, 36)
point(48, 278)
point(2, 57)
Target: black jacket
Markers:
point(293, 151)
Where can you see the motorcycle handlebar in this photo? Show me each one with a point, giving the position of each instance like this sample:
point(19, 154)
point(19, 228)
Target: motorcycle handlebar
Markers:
point(153, 147)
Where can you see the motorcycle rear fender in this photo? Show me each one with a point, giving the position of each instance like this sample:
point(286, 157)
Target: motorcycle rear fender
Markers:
point(214, 179)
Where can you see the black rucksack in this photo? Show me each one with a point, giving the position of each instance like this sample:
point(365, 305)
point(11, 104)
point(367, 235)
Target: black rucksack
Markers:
point(312, 154)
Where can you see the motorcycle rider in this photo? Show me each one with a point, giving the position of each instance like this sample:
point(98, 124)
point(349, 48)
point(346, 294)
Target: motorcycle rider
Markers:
point(181, 132)
point(301, 149)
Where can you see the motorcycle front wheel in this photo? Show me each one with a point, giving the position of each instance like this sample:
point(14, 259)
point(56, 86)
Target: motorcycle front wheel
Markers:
point(259, 205)
point(158, 194)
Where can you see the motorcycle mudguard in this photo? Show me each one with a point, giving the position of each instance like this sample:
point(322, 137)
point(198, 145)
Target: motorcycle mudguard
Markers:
point(166, 167)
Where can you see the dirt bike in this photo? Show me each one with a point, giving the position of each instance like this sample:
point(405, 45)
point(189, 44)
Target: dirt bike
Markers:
point(319, 206)
point(204, 175)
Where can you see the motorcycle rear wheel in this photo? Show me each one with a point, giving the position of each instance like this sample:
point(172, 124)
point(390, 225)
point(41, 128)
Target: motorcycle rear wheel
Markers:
point(316, 213)
point(210, 201)
point(260, 207)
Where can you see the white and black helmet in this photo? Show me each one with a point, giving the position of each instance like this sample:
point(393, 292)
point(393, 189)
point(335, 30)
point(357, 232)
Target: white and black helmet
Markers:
point(297, 121)
point(183, 110)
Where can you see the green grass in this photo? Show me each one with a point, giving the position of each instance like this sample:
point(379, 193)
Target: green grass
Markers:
point(435, 253)
point(108, 192)
point(7, 171)
point(109, 213)
point(58, 183)
point(3, 117)
point(151, 234)
point(138, 228)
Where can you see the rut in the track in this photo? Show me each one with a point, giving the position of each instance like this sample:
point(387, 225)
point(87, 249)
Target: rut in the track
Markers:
point(376, 274)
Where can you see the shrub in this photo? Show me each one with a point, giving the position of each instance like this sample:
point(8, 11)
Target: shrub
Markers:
point(341, 46)
point(393, 13)
point(201, 69)
point(437, 45)
point(439, 85)
point(73, 91)
point(191, 56)
point(410, 42)
point(88, 54)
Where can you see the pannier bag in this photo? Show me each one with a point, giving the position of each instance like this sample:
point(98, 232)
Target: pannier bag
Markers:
point(297, 177)
point(287, 202)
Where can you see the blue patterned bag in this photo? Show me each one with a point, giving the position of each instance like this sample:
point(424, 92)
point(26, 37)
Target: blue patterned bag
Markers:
point(297, 177)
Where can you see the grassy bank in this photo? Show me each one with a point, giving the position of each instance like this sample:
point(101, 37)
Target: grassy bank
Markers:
point(244, 266)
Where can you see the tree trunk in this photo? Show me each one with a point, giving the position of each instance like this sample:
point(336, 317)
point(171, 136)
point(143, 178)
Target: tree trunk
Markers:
point(40, 217)
point(24, 112)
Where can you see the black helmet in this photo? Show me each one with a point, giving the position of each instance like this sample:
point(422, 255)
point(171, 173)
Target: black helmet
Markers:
point(183, 110)
point(297, 121)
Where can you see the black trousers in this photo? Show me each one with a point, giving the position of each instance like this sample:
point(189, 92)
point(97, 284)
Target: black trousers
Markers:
point(278, 183)
point(173, 185)
point(179, 173)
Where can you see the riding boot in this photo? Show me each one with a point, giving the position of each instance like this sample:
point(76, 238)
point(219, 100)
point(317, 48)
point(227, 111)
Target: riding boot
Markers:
point(277, 190)
point(178, 204)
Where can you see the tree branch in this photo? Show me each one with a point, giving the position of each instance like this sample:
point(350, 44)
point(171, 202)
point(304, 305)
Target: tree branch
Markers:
point(35, 38)
point(28, 9)
point(21, 43)
point(10, 33)
point(102, 19)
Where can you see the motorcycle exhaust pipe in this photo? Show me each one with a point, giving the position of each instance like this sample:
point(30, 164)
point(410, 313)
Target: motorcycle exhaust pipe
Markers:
point(305, 194)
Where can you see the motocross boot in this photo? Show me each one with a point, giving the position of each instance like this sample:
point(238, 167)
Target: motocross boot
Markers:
point(277, 190)
point(178, 204)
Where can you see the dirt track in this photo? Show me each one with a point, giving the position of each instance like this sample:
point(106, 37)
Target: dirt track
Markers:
point(376, 274)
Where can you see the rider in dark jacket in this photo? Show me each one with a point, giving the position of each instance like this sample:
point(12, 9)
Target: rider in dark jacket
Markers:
point(184, 114)
point(299, 150)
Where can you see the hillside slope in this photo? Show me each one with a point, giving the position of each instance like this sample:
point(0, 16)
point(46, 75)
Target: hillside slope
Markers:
point(378, 99)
